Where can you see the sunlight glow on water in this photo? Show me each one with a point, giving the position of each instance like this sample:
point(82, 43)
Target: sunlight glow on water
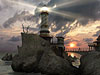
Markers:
point(74, 54)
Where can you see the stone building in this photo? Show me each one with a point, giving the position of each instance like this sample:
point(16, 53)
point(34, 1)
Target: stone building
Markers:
point(32, 43)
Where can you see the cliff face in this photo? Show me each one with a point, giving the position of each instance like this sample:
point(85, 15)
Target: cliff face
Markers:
point(31, 44)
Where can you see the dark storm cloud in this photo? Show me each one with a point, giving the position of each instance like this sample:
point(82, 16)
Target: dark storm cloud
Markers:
point(88, 40)
point(59, 21)
point(15, 39)
point(23, 16)
point(87, 10)
point(97, 34)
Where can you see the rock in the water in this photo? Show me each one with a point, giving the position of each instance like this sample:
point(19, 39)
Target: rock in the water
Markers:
point(7, 57)
point(55, 65)
point(90, 64)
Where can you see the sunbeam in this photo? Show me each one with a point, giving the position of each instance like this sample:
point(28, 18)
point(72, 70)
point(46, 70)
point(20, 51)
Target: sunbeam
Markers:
point(73, 3)
point(66, 3)
point(22, 3)
point(68, 14)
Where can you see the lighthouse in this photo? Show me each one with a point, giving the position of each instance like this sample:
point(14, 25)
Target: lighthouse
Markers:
point(44, 28)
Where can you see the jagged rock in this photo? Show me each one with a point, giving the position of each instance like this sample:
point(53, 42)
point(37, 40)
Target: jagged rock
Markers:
point(7, 57)
point(49, 63)
point(52, 64)
point(90, 64)
point(17, 63)
point(28, 64)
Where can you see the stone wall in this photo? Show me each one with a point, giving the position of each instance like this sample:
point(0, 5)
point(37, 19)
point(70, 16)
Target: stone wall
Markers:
point(31, 44)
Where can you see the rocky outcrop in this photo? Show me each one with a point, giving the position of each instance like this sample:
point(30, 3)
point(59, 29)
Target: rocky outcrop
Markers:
point(47, 63)
point(26, 64)
point(17, 63)
point(90, 64)
point(7, 57)
point(55, 65)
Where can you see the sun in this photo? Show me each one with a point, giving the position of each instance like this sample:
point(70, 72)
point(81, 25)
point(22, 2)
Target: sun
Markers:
point(72, 45)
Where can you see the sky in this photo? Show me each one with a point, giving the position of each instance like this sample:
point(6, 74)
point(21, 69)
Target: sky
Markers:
point(79, 21)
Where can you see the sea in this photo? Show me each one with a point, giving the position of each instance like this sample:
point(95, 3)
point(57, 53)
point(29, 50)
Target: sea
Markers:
point(5, 68)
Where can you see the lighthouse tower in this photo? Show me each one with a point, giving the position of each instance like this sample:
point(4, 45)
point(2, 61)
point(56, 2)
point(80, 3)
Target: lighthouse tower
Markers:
point(44, 29)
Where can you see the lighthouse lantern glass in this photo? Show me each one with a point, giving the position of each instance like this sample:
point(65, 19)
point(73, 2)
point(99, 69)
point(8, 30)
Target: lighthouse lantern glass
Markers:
point(44, 9)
